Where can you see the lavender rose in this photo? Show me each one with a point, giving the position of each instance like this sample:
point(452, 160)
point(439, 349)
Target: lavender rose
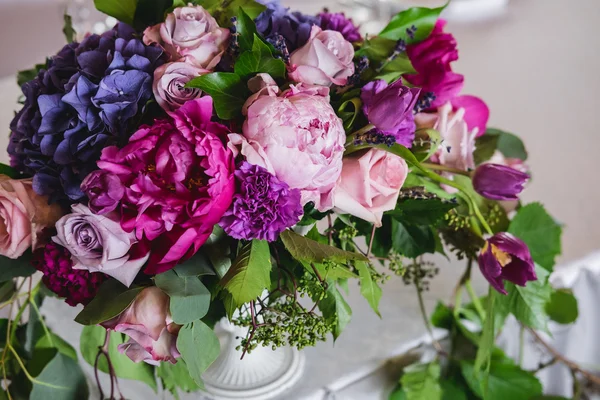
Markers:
point(151, 330)
point(192, 32)
point(325, 59)
point(169, 84)
point(99, 244)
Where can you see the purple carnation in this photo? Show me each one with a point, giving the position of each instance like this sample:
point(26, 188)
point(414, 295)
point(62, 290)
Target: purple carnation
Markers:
point(293, 26)
point(263, 206)
point(80, 104)
point(339, 23)
point(75, 285)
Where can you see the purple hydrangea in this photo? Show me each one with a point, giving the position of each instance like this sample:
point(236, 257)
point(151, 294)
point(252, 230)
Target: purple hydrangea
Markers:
point(293, 26)
point(263, 206)
point(339, 23)
point(80, 103)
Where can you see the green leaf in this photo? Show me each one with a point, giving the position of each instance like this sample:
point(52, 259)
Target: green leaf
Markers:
point(16, 268)
point(250, 273)
point(528, 304)
point(451, 390)
point(485, 147)
point(56, 342)
point(7, 289)
point(123, 10)
point(354, 106)
point(150, 12)
point(68, 28)
point(198, 265)
point(252, 62)
point(540, 232)
point(23, 76)
point(112, 298)
point(189, 298)
point(426, 211)
point(398, 394)
point(334, 306)
point(421, 381)
point(422, 18)
point(227, 90)
point(376, 49)
point(61, 379)
point(562, 307)
point(412, 240)
point(7, 169)
point(246, 30)
point(199, 348)
point(92, 338)
point(369, 289)
point(176, 376)
point(394, 69)
point(510, 145)
point(222, 11)
point(330, 270)
point(505, 381)
point(486, 344)
point(305, 249)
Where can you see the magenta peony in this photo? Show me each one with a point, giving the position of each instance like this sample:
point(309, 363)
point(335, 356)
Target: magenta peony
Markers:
point(152, 333)
point(178, 175)
point(23, 216)
point(298, 138)
point(325, 59)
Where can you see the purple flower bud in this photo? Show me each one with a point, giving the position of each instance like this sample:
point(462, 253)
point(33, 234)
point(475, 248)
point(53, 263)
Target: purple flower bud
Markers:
point(505, 257)
point(499, 182)
point(104, 190)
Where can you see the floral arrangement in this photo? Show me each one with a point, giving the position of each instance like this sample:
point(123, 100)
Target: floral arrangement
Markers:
point(223, 159)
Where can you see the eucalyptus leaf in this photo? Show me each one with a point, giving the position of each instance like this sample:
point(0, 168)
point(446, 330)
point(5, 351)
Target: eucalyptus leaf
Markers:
point(112, 298)
point(189, 298)
point(540, 232)
point(249, 275)
point(198, 265)
point(53, 341)
point(562, 307)
point(199, 348)
point(305, 249)
point(61, 379)
point(16, 268)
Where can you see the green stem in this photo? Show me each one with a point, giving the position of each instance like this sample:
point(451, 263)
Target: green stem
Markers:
point(44, 326)
point(435, 343)
point(27, 374)
point(475, 300)
point(439, 167)
point(521, 345)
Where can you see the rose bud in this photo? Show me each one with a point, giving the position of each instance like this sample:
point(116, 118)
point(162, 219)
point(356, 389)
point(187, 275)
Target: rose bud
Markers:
point(505, 257)
point(499, 182)
point(151, 330)
point(325, 59)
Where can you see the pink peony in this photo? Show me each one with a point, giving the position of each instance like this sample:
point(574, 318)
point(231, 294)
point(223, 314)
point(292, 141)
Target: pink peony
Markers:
point(458, 141)
point(23, 216)
point(370, 184)
point(193, 33)
point(325, 59)
point(477, 112)
point(169, 84)
point(152, 333)
point(179, 182)
point(298, 138)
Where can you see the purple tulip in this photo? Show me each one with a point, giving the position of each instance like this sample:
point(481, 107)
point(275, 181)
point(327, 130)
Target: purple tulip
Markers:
point(499, 182)
point(104, 190)
point(505, 257)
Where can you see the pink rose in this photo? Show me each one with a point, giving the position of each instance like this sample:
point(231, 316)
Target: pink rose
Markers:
point(23, 216)
point(370, 184)
point(169, 84)
point(458, 141)
point(99, 244)
point(191, 32)
point(152, 333)
point(325, 59)
point(297, 137)
point(178, 179)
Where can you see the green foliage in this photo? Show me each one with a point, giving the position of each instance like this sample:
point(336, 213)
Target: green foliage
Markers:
point(176, 377)
point(123, 10)
point(68, 28)
point(539, 231)
point(53, 341)
point(7, 169)
point(505, 381)
point(394, 69)
point(222, 11)
point(16, 268)
point(369, 289)
point(227, 90)
point(349, 110)
point(198, 265)
point(335, 309)
point(61, 379)
point(189, 298)
point(304, 249)
point(112, 298)
point(528, 304)
point(421, 17)
point(412, 240)
point(562, 307)
point(488, 335)
point(199, 348)
point(92, 339)
point(421, 381)
point(249, 274)
point(259, 59)
point(150, 12)
point(510, 145)
point(422, 211)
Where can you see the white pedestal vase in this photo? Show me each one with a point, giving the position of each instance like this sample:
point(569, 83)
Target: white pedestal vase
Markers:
point(263, 374)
